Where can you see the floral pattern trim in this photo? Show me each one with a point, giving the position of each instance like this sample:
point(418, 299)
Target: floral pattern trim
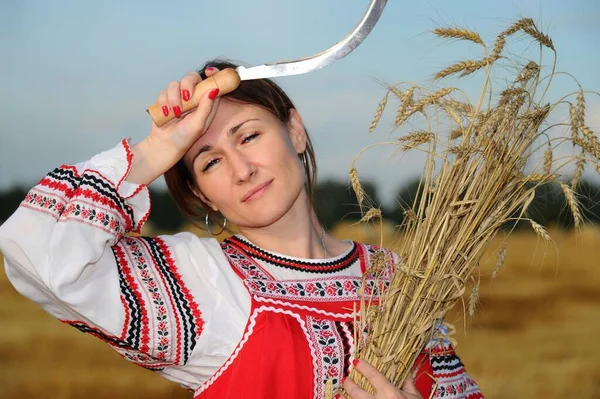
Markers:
point(329, 289)
point(329, 357)
point(451, 378)
point(323, 290)
point(89, 198)
point(133, 355)
point(162, 319)
point(243, 264)
point(94, 216)
point(44, 202)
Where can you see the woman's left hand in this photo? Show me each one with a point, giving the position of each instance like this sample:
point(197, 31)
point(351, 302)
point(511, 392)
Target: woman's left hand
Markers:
point(383, 388)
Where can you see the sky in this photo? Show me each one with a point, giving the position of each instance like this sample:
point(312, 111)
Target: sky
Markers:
point(77, 76)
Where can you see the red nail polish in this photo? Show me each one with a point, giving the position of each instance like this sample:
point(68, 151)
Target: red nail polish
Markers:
point(337, 396)
point(355, 362)
point(213, 94)
point(165, 110)
point(186, 95)
point(210, 69)
point(177, 111)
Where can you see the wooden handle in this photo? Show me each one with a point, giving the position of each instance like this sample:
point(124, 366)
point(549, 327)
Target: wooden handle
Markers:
point(226, 81)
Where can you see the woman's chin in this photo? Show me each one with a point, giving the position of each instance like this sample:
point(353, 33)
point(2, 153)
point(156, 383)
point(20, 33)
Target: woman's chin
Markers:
point(262, 216)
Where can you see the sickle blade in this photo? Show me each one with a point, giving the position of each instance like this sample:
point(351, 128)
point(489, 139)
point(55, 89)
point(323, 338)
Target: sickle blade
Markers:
point(323, 59)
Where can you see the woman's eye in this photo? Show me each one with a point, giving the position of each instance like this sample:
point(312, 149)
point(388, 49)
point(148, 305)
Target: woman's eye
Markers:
point(250, 138)
point(210, 164)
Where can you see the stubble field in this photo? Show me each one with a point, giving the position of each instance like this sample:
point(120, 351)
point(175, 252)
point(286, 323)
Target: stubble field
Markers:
point(534, 334)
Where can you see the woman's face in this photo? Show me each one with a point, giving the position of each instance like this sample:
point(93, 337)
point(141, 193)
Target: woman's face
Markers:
point(246, 165)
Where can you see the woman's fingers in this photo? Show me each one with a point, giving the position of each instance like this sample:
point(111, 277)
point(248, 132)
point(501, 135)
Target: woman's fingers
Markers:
point(409, 386)
point(174, 97)
point(210, 71)
point(164, 104)
point(354, 391)
point(207, 106)
point(177, 92)
point(377, 380)
point(188, 83)
point(381, 385)
point(202, 117)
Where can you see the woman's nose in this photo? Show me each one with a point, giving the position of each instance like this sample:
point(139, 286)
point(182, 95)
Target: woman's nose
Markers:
point(243, 168)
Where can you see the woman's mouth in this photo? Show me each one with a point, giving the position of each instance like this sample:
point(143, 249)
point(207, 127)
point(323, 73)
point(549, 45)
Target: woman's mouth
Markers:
point(257, 192)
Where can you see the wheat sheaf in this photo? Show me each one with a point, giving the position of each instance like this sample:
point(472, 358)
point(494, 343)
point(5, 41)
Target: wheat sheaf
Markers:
point(483, 164)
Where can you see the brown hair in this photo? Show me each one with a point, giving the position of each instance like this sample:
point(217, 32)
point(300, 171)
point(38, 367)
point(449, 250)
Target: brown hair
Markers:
point(260, 92)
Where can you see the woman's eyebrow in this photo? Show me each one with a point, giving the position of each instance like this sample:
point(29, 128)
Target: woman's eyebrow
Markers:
point(238, 126)
point(204, 148)
point(232, 131)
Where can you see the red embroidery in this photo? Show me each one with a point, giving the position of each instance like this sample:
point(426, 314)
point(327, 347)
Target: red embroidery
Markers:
point(198, 322)
point(93, 216)
point(128, 274)
point(124, 349)
point(328, 362)
point(44, 202)
point(125, 144)
point(58, 186)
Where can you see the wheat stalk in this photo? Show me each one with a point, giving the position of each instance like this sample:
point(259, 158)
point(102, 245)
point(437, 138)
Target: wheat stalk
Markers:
point(378, 113)
point(499, 262)
point(570, 197)
point(548, 160)
point(529, 72)
point(356, 186)
point(579, 166)
point(410, 215)
point(415, 139)
point(520, 24)
point(407, 100)
point(465, 67)
point(396, 91)
point(540, 230)
point(580, 111)
point(573, 122)
point(588, 147)
point(371, 214)
point(498, 47)
point(459, 33)
point(542, 38)
point(500, 42)
point(474, 299)
point(473, 183)
point(431, 99)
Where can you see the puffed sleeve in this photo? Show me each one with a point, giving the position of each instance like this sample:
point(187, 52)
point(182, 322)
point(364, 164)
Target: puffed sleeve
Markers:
point(66, 248)
point(439, 372)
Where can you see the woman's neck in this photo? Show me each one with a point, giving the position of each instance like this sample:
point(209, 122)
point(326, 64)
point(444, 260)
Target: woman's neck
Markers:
point(297, 234)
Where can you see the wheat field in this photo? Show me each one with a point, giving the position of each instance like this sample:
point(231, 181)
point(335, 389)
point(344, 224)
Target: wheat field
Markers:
point(533, 335)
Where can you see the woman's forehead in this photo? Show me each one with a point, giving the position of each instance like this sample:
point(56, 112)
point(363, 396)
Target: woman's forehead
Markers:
point(229, 115)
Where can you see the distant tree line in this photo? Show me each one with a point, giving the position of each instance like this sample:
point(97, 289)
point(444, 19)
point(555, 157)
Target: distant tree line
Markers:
point(335, 201)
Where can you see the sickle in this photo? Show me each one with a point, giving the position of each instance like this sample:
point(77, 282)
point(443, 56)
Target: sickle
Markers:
point(229, 79)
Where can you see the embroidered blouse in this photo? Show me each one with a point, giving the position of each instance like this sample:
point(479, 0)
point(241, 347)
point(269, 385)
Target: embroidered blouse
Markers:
point(222, 319)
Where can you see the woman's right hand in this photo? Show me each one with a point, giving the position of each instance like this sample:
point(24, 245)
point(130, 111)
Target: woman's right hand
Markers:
point(167, 144)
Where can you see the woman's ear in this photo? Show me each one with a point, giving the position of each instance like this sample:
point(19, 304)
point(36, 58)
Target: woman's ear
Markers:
point(203, 198)
point(297, 131)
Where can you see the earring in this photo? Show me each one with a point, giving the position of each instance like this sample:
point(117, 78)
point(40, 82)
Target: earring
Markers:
point(222, 228)
point(304, 159)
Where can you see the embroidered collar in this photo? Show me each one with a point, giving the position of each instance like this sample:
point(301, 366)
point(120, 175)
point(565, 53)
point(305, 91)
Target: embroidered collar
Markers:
point(306, 265)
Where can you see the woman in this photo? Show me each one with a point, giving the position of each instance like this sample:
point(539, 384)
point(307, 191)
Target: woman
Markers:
point(267, 313)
